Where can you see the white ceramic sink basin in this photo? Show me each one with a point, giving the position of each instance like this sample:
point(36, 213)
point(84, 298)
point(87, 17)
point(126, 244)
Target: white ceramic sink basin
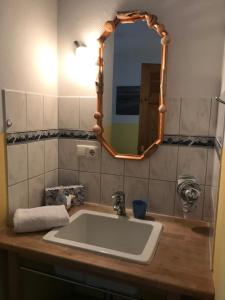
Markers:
point(127, 238)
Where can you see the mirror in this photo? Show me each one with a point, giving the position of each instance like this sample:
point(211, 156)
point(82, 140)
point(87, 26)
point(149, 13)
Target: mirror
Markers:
point(131, 106)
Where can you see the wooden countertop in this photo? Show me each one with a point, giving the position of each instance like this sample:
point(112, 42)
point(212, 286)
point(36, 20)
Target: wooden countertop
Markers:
point(180, 265)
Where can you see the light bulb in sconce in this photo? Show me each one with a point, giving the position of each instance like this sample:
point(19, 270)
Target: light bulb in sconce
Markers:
point(80, 49)
point(80, 65)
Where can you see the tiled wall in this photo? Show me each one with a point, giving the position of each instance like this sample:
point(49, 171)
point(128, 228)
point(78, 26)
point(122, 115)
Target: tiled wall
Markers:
point(154, 179)
point(32, 165)
point(35, 165)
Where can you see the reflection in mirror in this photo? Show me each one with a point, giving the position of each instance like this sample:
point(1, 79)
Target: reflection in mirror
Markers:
point(131, 85)
point(132, 57)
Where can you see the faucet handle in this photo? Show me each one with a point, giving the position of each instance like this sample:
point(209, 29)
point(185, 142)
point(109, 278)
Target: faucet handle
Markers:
point(119, 203)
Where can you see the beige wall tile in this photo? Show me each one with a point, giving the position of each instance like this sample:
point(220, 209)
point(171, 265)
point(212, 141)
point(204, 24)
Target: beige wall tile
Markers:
point(111, 165)
point(16, 111)
point(137, 168)
point(51, 178)
point(17, 197)
point(109, 185)
point(36, 191)
point(17, 163)
point(35, 158)
point(87, 110)
point(192, 161)
point(163, 163)
point(68, 177)
point(135, 189)
point(68, 154)
point(195, 116)
point(50, 112)
point(92, 182)
point(51, 155)
point(35, 112)
point(69, 113)
point(162, 196)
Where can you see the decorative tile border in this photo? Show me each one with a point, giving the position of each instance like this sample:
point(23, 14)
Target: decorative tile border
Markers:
point(31, 136)
point(218, 148)
point(200, 141)
point(76, 134)
point(24, 137)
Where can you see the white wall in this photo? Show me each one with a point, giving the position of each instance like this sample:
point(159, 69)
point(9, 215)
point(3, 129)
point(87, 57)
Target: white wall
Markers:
point(195, 53)
point(28, 51)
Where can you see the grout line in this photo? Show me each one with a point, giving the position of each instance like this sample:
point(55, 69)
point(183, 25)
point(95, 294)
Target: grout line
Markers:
point(210, 114)
point(100, 174)
point(44, 163)
point(28, 185)
point(174, 200)
point(148, 200)
point(75, 97)
point(177, 167)
point(100, 200)
point(26, 113)
point(3, 98)
point(29, 93)
point(58, 104)
point(43, 112)
point(79, 113)
point(204, 203)
point(206, 165)
point(180, 110)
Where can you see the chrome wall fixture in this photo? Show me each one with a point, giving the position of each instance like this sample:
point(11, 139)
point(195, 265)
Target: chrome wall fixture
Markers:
point(189, 192)
point(220, 100)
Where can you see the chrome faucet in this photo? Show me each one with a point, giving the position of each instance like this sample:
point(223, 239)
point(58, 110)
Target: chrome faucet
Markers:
point(119, 203)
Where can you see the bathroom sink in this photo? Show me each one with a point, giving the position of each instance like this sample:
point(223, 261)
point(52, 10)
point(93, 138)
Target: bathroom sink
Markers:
point(123, 237)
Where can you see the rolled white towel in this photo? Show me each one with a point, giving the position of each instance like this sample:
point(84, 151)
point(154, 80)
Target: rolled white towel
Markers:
point(40, 218)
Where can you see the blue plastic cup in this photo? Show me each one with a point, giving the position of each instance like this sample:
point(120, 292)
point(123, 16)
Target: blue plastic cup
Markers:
point(139, 209)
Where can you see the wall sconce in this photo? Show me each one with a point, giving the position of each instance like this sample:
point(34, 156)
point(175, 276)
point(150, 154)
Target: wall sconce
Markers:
point(80, 66)
point(80, 48)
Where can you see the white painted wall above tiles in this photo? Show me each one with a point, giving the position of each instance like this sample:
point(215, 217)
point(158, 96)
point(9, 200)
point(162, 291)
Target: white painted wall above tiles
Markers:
point(28, 39)
point(28, 52)
point(195, 51)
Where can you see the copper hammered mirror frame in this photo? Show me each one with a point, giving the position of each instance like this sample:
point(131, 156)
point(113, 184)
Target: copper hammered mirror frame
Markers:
point(110, 26)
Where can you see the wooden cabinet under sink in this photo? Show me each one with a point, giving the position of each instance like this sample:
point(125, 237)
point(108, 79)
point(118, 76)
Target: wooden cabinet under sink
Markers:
point(42, 281)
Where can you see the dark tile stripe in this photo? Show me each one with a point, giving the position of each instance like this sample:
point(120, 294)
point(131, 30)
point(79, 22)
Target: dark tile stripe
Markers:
point(200, 141)
point(23, 137)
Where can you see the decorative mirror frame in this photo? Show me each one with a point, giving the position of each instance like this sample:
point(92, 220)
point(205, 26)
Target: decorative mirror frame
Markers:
point(110, 26)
